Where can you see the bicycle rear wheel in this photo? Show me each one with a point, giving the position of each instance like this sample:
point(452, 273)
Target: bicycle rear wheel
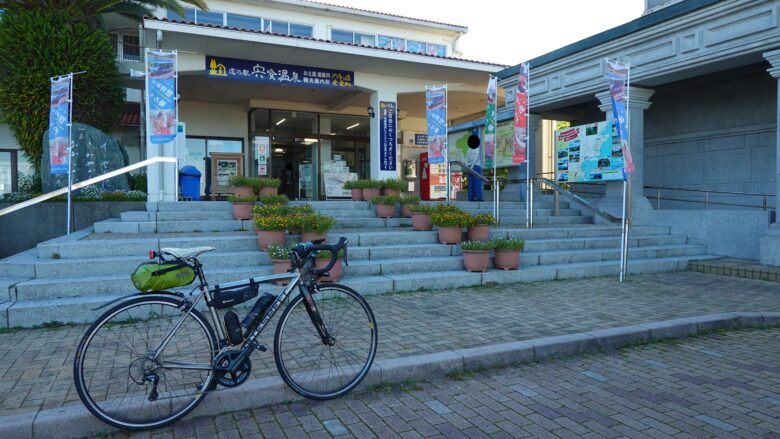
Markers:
point(121, 383)
point(313, 368)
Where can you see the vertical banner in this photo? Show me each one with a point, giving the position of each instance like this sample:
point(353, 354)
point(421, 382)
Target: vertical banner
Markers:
point(520, 134)
point(161, 95)
point(617, 76)
point(490, 123)
point(59, 124)
point(387, 136)
point(436, 113)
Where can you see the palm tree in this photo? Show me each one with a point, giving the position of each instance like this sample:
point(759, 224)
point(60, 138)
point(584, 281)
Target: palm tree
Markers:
point(91, 10)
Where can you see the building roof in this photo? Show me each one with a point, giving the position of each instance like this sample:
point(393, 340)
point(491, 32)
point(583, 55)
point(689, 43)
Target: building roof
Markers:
point(662, 15)
point(168, 20)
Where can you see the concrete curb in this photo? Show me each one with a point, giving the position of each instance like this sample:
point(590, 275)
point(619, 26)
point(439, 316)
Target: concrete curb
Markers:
point(76, 421)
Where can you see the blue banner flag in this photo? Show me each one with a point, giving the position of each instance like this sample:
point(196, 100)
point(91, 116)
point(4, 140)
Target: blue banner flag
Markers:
point(286, 74)
point(436, 113)
point(387, 136)
point(59, 124)
point(161, 95)
point(617, 76)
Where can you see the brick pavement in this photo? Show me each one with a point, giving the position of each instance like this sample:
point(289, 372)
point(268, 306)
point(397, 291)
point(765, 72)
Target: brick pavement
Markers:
point(36, 365)
point(725, 385)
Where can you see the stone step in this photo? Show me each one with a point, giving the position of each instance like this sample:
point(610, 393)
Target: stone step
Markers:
point(610, 254)
point(115, 226)
point(188, 206)
point(590, 243)
point(176, 216)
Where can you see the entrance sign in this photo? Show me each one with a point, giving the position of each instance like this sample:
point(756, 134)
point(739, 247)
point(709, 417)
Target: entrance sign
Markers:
point(387, 136)
point(617, 76)
point(490, 125)
point(273, 73)
point(436, 113)
point(60, 124)
point(520, 134)
point(588, 153)
point(161, 95)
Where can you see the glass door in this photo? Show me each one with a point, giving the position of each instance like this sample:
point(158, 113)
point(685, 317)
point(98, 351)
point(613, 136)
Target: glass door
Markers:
point(295, 162)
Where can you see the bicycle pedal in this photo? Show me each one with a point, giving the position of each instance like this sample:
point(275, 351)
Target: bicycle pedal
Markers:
point(259, 346)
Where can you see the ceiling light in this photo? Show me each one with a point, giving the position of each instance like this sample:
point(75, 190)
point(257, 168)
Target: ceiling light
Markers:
point(353, 126)
point(281, 121)
point(278, 150)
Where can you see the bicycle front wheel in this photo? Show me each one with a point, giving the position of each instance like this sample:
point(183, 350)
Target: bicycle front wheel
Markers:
point(121, 380)
point(320, 370)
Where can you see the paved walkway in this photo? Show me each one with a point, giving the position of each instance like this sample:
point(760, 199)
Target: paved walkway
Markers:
point(723, 386)
point(36, 365)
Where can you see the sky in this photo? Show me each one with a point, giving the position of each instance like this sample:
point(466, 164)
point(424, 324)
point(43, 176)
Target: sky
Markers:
point(512, 31)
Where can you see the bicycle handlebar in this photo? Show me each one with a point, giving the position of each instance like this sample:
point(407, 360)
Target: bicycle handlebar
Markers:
point(303, 250)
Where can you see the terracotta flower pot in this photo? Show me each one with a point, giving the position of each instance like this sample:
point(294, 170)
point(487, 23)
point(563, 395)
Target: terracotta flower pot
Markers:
point(313, 236)
point(449, 235)
point(243, 191)
point(268, 237)
point(507, 259)
point(368, 193)
point(357, 194)
point(479, 232)
point(405, 212)
point(335, 271)
point(476, 261)
point(392, 192)
point(242, 211)
point(421, 221)
point(281, 266)
point(385, 210)
point(268, 191)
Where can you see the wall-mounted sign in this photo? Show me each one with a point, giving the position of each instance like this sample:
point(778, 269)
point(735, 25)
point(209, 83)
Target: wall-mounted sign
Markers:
point(421, 139)
point(287, 74)
point(262, 144)
point(387, 136)
point(588, 153)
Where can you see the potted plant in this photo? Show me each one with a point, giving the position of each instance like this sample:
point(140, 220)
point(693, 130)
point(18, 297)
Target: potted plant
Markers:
point(242, 186)
point(371, 188)
point(314, 226)
point(323, 259)
point(271, 229)
point(267, 186)
point(356, 186)
point(508, 252)
point(242, 206)
point(479, 228)
point(476, 255)
point(385, 205)
point(406, 203)
point(421, 216)
point(274, 199)
point(450, 225)
point(394, 186)
point(280, 260)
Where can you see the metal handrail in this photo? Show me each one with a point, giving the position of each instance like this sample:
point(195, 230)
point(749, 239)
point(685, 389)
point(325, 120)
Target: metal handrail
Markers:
point(585, 203)
point(710, 191)
point(93, 180)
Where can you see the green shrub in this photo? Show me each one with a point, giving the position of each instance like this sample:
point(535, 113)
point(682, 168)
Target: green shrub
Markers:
point(509, 243)
point(282, 209)
point(483, 218)
point(262, 182)
point(395, 184)
point(352, 184)
point(450, 219)
point(385, 199)
point(122, 196)
point(241, 181)
point(410, 199)
point(39, 43)
point(477, 245)
point(139, 182)
point(422, 208)
point(272, 222)
point(372, 184)
point(314, 223)
point(444, 207)
point(274, 199)
point(279, 252)
point(237, 199)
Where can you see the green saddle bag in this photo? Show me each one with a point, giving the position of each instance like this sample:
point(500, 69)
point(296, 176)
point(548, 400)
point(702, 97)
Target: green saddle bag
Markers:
point(153, 276)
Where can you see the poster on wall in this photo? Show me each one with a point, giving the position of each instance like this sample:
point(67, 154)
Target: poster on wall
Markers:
point(458, 144)
point(436, 114)
point(334, 184)
point(59, 124)
point(161, 95)
point(225, 170)
point(262, 145)
point(387, 136)
point(490, 123)
point(520, 133)
point(617, 76)
point(588, 153)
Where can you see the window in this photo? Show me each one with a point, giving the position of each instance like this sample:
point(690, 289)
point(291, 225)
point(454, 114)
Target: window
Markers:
point(277, 27)
point(415, 46)
point(365, 39)
point(301, 30)
point(189, 15)
point(215, 18)
point(394, 43)
point(244, 22)
point(437, 50)
point(131, 48)
point(342, 36)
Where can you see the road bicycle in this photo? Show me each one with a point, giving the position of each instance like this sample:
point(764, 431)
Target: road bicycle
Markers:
point(150, 360)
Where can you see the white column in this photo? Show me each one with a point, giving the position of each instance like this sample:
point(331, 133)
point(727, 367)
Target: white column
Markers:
point(641, 209)
point(376, 97)
point(769, 244)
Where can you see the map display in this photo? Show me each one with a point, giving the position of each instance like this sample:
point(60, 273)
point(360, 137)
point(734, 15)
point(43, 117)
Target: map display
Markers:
point(588, 153)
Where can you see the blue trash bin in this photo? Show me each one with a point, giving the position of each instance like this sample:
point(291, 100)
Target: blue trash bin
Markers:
point(189, 182)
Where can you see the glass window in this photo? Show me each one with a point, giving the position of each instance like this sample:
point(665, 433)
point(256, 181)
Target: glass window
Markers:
point(131, 48)
point(189, 15)
point(244, 22)
point(277, 27)
point(301, 30)
point(415, 46)
point(24, 165)
point(223, 145)
point(215, 18)
point(365, 39)
point(437, 50)
point(6, 172)
point(341, 36)
point(386, 42)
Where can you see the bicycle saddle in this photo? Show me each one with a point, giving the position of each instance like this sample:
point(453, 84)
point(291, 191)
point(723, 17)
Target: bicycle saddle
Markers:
point(184, 253)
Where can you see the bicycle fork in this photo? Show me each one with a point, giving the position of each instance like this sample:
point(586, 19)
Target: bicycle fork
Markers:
point(314, 315)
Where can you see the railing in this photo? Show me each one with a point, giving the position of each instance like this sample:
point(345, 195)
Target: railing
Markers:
point(558, 190)
point(707, 197)
point(93, 180)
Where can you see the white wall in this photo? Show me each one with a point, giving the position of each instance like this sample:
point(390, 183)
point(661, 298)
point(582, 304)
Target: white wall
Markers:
point(216, 120)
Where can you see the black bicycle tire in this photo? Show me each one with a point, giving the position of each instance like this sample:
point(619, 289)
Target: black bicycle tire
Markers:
point(364, 371)
point(78, 376)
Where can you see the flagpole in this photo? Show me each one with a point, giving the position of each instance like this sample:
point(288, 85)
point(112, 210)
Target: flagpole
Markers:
point(70, 151)
point(447, 146)
point(529, 209)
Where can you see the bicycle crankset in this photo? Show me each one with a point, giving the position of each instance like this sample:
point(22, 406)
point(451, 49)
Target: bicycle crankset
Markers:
point(231, 379)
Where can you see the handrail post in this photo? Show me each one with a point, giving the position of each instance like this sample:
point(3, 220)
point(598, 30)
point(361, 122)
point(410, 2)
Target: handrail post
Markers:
point(764, 202)
point(557, 203)
point(706, 200)
point(658, 199)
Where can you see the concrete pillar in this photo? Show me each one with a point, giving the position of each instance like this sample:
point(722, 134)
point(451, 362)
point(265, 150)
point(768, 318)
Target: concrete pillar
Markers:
point(376, 174)
point(641, 209)
point(769, 243)
point(517, 191)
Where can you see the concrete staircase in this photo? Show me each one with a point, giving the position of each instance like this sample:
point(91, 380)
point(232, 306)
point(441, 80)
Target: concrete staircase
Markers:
point(65, 278)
